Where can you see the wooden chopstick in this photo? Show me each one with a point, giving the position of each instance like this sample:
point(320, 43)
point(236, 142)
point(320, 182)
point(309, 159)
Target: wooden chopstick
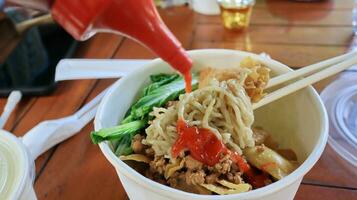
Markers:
point(309, 69)
point(309, 80)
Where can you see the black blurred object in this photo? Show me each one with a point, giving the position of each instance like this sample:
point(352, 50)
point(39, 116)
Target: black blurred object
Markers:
point(30, 67)
point(8, 37)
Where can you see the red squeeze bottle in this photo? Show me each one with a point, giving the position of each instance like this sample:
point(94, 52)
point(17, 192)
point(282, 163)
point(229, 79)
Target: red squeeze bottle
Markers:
point(137, 19)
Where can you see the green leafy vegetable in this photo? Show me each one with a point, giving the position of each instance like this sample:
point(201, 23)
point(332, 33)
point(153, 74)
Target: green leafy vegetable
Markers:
point(160, 96)
point(164, 88)
point(124, 145)
point(127, 119)
point(159, 77)
point(117, 132)
point(160, 81)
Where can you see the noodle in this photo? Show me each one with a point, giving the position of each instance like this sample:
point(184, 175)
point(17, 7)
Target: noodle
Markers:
point(222, 107)
point(161, 134)
point(227, 99)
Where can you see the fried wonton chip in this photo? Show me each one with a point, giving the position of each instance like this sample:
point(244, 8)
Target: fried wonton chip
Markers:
point(136, 157)
point(237, 188)
point(269, 161)
point(252, 74)
point(257, 79)
point(173, 167)
point(207, 74)
point(233, 185)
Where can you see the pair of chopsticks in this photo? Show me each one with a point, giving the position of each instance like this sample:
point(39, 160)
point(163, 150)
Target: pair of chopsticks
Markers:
point(309, 74)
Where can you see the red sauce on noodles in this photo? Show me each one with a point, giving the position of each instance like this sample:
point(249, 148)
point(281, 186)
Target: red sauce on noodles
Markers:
point(205, 147)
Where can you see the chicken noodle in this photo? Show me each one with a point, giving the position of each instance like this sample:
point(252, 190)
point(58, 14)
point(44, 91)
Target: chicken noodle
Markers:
point(194, 141)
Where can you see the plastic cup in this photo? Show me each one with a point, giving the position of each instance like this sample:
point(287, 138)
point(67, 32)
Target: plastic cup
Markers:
point(297, 121)
point(236, 14)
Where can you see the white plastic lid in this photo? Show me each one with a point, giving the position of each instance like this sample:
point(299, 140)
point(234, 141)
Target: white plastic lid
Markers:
point(340, 99)
point(13, 166)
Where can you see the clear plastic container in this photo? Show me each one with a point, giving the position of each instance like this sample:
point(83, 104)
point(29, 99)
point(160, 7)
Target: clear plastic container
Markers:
point(340, 99)
point(16, 169)
point(354, 18)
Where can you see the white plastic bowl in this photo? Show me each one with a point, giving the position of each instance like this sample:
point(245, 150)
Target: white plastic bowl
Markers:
point(297, 121)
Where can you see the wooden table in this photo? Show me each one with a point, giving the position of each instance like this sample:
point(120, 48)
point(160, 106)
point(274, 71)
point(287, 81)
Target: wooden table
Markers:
point(296, 34)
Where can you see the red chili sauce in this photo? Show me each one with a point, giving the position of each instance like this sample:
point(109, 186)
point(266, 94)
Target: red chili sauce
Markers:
point(188, 81)
point(205, 147)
